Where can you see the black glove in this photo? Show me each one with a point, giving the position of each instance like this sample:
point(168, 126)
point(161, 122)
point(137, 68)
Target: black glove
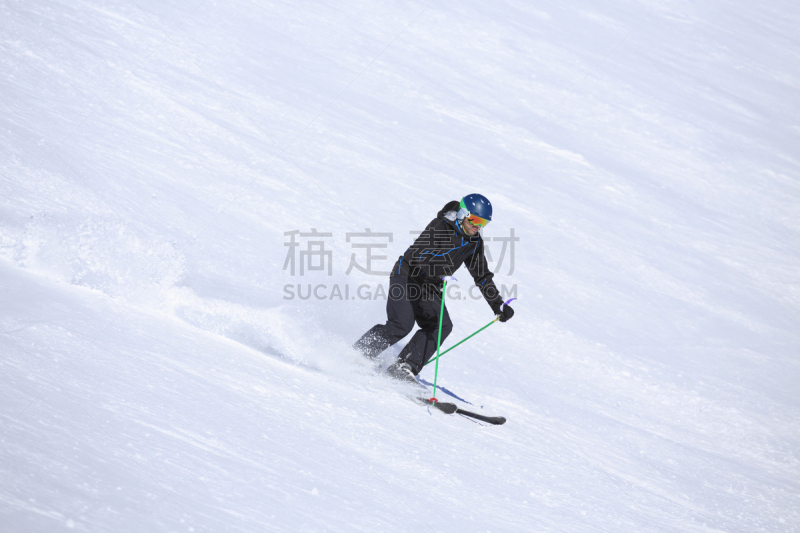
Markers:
point(504, 311)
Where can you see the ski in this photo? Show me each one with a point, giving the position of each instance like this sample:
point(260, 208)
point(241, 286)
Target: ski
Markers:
point(494, 420)
point(451, 408)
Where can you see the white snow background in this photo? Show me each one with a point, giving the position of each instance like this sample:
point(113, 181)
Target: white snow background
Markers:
point(155, 377)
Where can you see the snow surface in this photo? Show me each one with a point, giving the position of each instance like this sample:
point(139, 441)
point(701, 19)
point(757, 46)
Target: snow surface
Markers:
point(155, 377)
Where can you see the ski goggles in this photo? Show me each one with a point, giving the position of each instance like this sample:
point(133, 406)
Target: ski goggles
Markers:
point(475, 220)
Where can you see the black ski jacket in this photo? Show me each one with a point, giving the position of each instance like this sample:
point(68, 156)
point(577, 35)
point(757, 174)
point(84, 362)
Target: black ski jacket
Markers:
point(441, 249)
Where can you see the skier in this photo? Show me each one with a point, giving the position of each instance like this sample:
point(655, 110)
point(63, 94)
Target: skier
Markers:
point(415, 285)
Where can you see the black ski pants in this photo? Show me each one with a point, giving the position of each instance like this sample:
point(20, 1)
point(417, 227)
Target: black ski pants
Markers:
point(408, 302)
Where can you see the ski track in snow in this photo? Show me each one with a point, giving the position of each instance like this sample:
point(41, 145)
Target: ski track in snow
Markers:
point(155, 377)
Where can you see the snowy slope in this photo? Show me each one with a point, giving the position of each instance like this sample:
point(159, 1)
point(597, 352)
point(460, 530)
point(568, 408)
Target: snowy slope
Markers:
point(156, 376)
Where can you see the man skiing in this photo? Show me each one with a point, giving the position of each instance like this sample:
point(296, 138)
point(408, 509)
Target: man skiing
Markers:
point(415, 285)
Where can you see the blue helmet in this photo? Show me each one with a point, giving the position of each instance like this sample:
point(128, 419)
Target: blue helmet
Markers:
point(477, 208)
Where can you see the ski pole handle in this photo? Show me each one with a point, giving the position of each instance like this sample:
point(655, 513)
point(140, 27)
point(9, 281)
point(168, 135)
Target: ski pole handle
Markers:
point(497, 316)
point(506, 303)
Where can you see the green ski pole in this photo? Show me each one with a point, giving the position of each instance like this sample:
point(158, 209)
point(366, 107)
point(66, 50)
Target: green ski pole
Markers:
point(463, 340)
point(468, 338)
point(439, 340)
